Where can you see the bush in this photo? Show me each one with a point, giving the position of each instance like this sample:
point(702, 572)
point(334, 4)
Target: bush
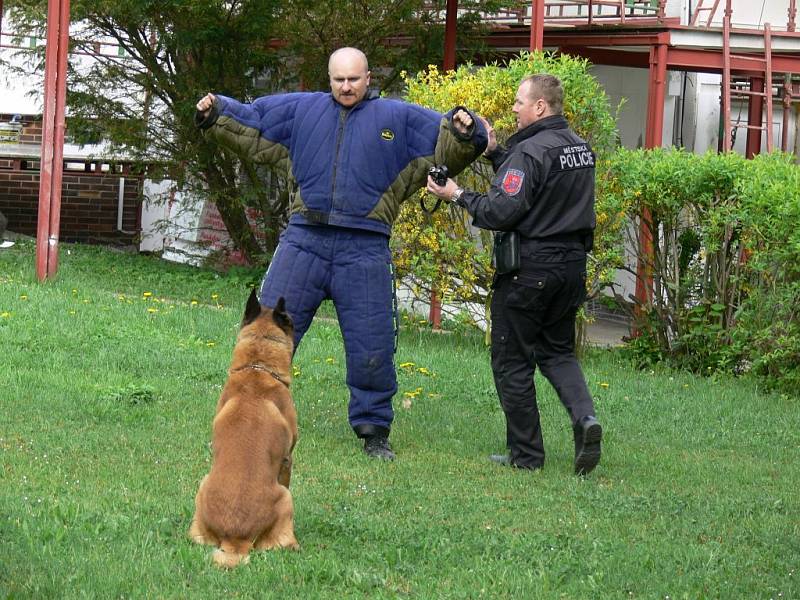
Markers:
point(725, 260)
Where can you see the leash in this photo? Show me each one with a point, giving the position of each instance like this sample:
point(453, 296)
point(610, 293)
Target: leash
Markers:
point(428, 211)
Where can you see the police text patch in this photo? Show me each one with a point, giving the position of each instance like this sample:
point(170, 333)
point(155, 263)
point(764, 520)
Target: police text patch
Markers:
point(512, 181)
point(578, 156)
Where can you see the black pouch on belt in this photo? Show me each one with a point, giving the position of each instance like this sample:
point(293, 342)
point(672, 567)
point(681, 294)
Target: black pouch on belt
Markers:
point(506, 252)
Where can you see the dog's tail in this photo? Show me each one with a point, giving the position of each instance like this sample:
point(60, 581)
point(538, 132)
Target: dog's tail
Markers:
point(232, 553)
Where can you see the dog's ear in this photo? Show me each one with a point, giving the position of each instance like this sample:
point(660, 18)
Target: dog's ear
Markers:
point(252, 310)
point(281, 317)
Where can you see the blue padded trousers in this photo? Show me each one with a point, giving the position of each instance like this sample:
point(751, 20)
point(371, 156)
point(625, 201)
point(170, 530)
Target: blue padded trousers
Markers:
point(352, 268)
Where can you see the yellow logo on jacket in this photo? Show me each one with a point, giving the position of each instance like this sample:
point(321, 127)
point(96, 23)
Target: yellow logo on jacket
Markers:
point(387, 134)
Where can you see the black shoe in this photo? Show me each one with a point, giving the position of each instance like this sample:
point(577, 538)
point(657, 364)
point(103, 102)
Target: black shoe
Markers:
point(377, 446)
point(505, 460)
point(588, 434)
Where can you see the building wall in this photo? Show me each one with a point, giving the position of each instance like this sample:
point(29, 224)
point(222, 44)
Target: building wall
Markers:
point(89, 203)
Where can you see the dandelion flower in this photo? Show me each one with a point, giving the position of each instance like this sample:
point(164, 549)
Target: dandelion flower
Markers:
point(147, 294)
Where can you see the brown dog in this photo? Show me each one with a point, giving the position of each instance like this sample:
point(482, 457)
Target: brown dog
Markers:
point(244, 502)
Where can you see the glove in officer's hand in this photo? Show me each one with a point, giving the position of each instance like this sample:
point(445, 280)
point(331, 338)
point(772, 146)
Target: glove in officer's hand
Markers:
point(492, 145)
point(462, 121)
point(204, 105)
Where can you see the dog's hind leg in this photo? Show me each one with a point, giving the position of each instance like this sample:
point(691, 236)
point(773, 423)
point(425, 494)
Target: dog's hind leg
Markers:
point(198, 532)
point(281, 534)
point(285, 474)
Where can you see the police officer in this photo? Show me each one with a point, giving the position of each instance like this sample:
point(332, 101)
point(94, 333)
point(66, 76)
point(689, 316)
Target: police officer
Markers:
point(544, 191)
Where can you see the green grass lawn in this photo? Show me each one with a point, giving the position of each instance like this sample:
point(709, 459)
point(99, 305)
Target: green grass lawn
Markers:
point(110, 375)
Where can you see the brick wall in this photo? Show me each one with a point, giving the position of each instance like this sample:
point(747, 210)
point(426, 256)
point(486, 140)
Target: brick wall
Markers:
point(88, 203)
point(89, 193)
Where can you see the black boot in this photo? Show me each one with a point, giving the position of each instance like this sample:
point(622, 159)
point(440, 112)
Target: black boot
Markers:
point(505, 460)
point(377, 446)
point(588, 434)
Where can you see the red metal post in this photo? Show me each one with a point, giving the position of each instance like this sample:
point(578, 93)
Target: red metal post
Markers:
point(450, 35)
point(787, 108)
point(52, 154)
point(768, 82)
point(537, 25)
point(755, 111)
point(449, 63)
point(653, 139)
point(725, 85)
point(662, 10)
point(792, 15)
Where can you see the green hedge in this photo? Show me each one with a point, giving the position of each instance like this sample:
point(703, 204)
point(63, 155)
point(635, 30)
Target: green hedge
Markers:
point(725, 262)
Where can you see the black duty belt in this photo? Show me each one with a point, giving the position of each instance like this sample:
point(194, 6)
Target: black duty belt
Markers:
point(582, 239)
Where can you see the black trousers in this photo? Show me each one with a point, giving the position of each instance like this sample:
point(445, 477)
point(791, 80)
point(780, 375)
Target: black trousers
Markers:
point(533, 323)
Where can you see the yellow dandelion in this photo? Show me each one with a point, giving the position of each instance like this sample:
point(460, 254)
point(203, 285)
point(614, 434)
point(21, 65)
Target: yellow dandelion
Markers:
point(152, 310)
point(603, 384)
point(329, 360)
point(214, 296)
point(147, 294)
point(5, 315)
point(210, 344)
point(23, 297)
point(193, 302)
point(423, 370)
point(406, 365)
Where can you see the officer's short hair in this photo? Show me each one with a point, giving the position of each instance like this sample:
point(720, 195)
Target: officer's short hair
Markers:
point(547, 87)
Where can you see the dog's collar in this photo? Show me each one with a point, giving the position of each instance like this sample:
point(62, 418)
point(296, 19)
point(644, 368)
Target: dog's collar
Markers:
point(260, 367)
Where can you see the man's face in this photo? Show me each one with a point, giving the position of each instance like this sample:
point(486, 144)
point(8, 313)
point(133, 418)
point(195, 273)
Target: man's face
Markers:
point(349, 78)
point(528, 111)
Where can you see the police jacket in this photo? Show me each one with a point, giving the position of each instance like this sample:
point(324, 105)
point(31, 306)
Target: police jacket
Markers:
point(543, 186)
point(345, 167)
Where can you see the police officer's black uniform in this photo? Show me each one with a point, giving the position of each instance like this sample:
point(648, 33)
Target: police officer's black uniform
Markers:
point(543, 189)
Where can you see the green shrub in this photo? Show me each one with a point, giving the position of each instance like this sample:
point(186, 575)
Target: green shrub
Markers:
point(725, 260)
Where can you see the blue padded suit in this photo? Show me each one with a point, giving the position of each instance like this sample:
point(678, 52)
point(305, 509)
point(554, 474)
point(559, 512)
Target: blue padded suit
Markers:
point(348, 172)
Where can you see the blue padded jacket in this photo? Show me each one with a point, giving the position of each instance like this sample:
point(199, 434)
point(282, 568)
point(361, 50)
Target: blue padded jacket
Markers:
point(345, 167)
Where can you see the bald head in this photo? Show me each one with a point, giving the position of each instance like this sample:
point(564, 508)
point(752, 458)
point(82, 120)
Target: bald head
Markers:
point(348, 55)
point(349, 75)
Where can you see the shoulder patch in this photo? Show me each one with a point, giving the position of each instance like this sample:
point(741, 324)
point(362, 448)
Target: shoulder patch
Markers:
point(512, 181)
point(387, 134)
